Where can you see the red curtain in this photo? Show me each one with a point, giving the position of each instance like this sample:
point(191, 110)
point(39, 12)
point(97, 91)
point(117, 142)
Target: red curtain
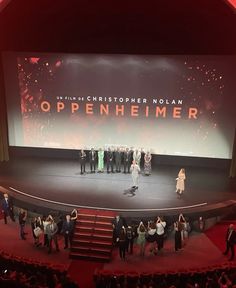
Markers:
point(4, 156)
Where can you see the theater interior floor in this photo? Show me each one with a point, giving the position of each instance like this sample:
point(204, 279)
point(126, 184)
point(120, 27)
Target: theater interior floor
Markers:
point(60, 180)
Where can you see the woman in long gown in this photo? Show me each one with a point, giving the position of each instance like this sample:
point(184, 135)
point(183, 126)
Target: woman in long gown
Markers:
point(180, 182)
point(100, 160)
point(141, 240)
point(147, 163)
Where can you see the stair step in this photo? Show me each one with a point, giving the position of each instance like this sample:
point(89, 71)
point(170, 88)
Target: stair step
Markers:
point(91, 250)
point(80, 228)
point(96, 224)
point(90, 221)
point(102, 258)
point(96, 216)
point(95, 243)
point(92, 235)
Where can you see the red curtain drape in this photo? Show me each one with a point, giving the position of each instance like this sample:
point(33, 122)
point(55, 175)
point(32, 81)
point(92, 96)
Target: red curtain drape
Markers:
point(232, 173)
point(4, 155)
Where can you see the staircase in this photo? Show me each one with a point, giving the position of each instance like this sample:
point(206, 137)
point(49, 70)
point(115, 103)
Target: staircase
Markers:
point(93, 235)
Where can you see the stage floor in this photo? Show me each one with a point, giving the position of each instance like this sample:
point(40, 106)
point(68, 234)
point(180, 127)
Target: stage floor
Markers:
point(60, 180)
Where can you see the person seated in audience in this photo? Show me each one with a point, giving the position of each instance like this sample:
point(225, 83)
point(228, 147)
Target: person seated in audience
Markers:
point(152, 236)
point(141, 240)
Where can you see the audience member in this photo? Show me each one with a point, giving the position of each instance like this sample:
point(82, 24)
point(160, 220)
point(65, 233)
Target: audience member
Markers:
point(160, 226)
point(7, 208)
point(37, 230)
point(152, 236)
point(67, 230)
point(178, 228)
point(141, 240)
point(51, 231)
point(121, 240)
point(230, 241)
point(130, 235)
point(22, 219)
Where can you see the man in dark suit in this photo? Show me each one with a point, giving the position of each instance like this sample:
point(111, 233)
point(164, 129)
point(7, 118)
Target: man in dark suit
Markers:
point(117, 224)
point(51, 230)
point(92, 160)
point(7, 208)
point(230, 241)
point(118, 159)
point(67, 231)
point(109, 158)
point(126, 159)
point(82, 156)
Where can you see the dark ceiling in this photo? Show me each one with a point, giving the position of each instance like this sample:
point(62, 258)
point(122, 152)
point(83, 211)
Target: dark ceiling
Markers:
point(119, 26)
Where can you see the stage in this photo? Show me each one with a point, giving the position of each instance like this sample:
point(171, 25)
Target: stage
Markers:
point(52, 181)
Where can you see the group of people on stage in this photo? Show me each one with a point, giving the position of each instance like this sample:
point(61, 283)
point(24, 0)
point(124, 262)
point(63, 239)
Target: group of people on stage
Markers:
point(153, 233)
point(115, 159)
point(129, 159)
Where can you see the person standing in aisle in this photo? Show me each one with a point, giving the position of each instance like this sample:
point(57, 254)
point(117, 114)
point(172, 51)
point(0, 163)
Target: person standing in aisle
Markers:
point(7, 208)
point(22, 221)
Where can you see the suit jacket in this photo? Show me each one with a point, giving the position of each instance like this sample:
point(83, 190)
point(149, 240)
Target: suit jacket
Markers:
point(67, 227)
point(82, 156)
point(127, 156)
point(231, 239)
point(94, 156)
point(51, 230)
point(118, 155)
point(110, 156)
point(7, 205)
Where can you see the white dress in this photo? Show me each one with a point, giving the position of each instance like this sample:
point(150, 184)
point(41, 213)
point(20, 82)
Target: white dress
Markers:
point(180, 182)
point(135, 174)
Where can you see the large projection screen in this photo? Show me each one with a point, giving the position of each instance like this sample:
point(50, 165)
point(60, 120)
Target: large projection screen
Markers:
point(170, 105)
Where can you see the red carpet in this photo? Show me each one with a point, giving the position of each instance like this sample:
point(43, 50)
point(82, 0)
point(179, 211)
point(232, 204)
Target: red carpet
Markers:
point(217, 233)
point(82, 272)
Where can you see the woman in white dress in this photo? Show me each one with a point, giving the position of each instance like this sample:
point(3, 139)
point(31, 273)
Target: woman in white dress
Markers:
point(135, 174)
point(180, 182)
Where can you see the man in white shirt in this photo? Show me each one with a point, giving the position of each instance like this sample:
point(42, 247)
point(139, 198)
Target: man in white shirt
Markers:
point(160, 224)
point(135, 174)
